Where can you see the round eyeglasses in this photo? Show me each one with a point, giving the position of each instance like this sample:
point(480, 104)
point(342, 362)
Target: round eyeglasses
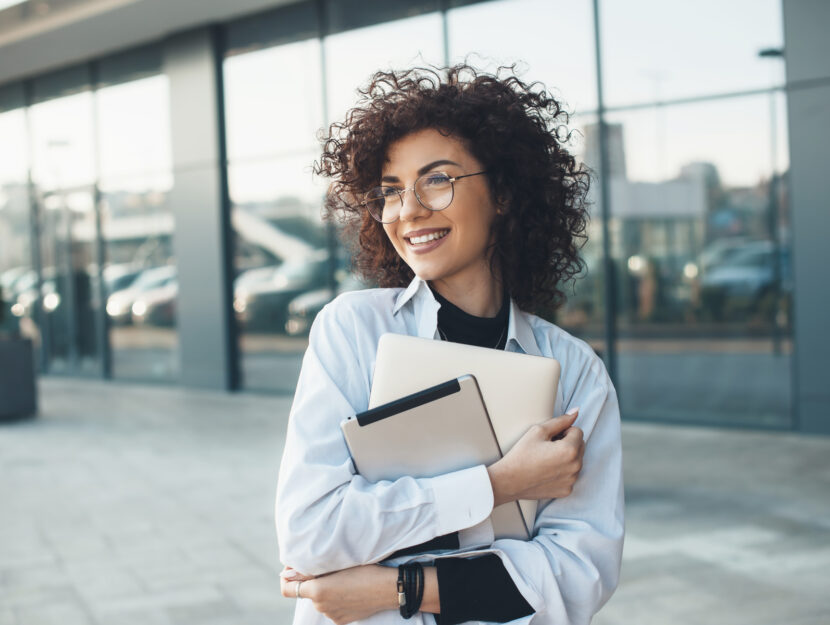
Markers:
point(434, 191)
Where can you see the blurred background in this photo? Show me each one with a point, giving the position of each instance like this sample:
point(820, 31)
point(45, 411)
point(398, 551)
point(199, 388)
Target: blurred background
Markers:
point(161, 247)
point(159, 220)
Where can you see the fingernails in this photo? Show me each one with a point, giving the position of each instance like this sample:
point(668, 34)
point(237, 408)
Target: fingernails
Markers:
point(572, 411)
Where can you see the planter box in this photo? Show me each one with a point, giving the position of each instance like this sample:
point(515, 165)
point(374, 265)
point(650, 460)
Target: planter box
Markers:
point(18, 396)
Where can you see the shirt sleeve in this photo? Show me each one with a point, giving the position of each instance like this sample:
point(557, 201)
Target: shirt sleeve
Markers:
point(328, 517)
point(477, 589)
point(571, 566)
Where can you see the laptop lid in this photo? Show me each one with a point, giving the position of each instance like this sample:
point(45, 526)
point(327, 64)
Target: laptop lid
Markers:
point(519, 390)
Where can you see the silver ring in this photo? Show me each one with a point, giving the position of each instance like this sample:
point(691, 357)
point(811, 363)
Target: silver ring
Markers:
point(297, 590)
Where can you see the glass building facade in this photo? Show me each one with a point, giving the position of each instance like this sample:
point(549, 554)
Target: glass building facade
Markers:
point(688, 292)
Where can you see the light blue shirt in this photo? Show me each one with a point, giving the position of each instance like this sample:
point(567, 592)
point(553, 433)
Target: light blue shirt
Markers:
point(330, 518)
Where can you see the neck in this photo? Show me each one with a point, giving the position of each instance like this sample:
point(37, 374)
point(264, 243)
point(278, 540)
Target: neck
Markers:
point(479, 298)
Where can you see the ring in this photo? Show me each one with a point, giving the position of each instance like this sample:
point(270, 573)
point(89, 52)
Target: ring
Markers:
point(298, 589)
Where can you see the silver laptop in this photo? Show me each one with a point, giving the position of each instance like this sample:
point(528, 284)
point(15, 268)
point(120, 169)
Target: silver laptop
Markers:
point(437, 430)
point(519, 390)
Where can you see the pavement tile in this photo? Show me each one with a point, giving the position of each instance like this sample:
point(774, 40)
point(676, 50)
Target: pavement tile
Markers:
point(185, 596)
point(33, 597)
point(158, 616)
point(154, 506)
point(64, 613)
point(211, 612)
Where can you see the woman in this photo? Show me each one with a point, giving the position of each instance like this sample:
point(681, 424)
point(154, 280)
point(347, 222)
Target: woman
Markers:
point(468, 212)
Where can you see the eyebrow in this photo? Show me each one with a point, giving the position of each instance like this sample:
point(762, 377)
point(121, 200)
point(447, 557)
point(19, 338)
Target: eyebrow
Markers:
point(423, 170)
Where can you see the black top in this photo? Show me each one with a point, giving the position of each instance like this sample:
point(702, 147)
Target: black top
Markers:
point(459, 327)
point(476, 588)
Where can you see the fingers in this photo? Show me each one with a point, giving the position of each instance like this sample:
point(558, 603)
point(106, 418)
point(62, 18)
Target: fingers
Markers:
point(290, 575)
point(557, 425)
point(573, 435)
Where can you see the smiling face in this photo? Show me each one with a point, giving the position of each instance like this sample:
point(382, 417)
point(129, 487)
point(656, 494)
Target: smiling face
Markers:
point(448, 247)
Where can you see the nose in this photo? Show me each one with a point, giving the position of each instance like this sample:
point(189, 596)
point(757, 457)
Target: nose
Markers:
point(411, 208)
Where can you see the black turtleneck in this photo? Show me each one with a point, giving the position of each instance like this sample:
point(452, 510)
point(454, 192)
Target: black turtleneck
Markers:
point(478, 588)
point(460, 327)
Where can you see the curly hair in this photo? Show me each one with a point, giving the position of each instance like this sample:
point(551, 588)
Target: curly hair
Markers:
point(515, 129)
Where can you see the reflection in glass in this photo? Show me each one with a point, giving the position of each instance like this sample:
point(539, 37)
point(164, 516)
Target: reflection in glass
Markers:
point(62, 142)
point(137, 228)
point(69, 275)
point(552, 41)
point(655, 50)
point(281, 253)
point(280, 114)
point(280, 244)
point(63, 173)
point(353, 56)
point(16, 274)
point(700, 246)
point(134, 127)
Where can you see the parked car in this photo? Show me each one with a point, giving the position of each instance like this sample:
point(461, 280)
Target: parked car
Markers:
point(157, 306)
point(262, 295)
point(745, 281)
point(120, 276)
point(303, 309)
point(120, 303)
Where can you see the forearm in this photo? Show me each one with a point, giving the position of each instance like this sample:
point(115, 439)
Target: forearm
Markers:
point(385, 584)
point(361, 523)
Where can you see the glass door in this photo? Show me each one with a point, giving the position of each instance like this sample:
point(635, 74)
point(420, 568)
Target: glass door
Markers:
point(69, 300)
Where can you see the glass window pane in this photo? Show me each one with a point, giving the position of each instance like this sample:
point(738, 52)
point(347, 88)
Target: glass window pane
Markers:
point(508, 31)
point(134, 127)
point(137, 225)
point(353, 56)
point(281, 258)
point(280, 246)
point(62, 141)
point(63, 170)
point(655, 50)
point(280, 114)
point(703, 261)
point(16, 274)
point(583, 313)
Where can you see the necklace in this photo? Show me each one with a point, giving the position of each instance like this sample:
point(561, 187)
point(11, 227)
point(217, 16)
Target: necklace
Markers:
point(501, 336)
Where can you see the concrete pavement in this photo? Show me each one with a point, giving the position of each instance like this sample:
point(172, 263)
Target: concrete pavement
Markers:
point(125, 504)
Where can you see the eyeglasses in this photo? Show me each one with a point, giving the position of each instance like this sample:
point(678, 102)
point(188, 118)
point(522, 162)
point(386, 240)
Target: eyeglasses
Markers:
point(434, 191)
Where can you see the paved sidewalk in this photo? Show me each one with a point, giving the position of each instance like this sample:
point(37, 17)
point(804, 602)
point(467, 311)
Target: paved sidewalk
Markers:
point(126, 504)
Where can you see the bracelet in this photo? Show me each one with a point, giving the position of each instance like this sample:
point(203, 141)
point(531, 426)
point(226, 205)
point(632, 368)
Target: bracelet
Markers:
point(410, 588)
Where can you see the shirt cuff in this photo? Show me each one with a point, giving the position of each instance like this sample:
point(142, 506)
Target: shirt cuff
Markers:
point(461, 498)
point(480, 535)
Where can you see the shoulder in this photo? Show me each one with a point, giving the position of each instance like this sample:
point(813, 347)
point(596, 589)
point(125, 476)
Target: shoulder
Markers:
point(355, 314)
point(578, 359)
point(363, 304)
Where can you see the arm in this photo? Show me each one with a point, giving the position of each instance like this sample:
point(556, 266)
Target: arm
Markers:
point(357, 593)
point(328, 518)
point(461, 589)
point(571, 567)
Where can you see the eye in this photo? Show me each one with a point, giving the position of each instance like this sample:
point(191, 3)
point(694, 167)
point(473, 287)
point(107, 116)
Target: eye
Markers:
point(437, 179)
point(388, 192)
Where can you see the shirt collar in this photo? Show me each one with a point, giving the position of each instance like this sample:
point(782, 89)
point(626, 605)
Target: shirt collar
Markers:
point(519, 333)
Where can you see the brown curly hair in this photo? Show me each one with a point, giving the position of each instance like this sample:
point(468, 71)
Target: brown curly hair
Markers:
point(515, 129)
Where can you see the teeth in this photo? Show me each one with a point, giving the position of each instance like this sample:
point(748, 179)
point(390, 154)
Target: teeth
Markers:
point(428, 237)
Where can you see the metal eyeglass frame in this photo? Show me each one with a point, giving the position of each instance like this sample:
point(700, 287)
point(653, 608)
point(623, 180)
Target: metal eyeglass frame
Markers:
point(401, 192)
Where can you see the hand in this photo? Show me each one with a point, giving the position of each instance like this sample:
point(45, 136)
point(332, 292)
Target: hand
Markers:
point(348, 595)
point(543, 464)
